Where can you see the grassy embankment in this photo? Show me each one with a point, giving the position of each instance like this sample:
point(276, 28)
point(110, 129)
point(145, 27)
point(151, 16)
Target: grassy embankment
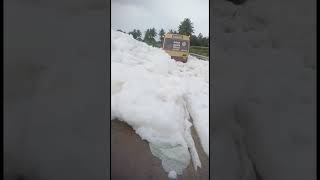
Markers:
point(204, 51)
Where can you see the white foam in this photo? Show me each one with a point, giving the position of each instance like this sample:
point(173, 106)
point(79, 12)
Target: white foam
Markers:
point(172, 175)
point(155, 95)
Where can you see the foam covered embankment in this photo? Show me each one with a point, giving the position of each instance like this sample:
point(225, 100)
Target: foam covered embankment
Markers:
point(156, 96)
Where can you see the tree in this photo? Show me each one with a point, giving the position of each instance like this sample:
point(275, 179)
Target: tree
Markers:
point(203, 41)
point(149, 36)
point(136, 34)
point(199, 40)
point(194, 40)
point(139, 34)
point(153, 32)
point(173, 31)
point(146, 35)
point(161, 34)
point(186, 27)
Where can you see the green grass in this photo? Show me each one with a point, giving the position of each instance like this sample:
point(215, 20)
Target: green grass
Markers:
point(204, 51)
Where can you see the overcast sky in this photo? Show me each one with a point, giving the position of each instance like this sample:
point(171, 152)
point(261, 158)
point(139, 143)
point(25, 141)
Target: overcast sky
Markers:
point(167, 14)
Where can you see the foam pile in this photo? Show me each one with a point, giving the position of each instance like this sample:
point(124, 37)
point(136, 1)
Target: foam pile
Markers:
point(161, 99)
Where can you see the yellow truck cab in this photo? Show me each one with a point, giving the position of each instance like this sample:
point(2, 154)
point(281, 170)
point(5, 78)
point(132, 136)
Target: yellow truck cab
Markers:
point(177, 46)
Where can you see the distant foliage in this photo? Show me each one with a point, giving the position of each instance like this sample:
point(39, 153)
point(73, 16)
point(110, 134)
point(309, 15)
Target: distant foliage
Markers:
point(136, 33)
point(186, 27)
point(173, 31)
point(199, 40)
point(149, 37)
point(161, 34)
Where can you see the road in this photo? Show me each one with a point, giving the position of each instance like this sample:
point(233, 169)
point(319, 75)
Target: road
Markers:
point(131, 157)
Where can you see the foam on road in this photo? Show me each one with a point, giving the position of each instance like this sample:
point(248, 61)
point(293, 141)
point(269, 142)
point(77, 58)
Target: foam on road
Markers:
point(158, 97)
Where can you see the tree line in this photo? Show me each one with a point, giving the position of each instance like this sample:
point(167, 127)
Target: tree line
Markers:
point(185, 28)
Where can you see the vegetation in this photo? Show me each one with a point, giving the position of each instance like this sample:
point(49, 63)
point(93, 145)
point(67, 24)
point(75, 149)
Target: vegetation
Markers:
point(161, 34)
point(186, 28)
point(149, 37)
point(199, 40)
point(136, 33)
point(173, 31)
point(204, 51)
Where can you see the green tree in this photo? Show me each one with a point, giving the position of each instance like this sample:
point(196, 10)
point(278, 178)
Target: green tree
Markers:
point(136, 34)
point(139, 35)
point(149, 36)
point(153, 32)
point(186, 27)
point(199, 40)
point(205, 41)
point(194, 40)
point(161, 34)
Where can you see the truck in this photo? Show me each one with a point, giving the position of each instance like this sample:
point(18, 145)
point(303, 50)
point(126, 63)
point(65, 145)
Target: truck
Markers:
point(177, 46)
